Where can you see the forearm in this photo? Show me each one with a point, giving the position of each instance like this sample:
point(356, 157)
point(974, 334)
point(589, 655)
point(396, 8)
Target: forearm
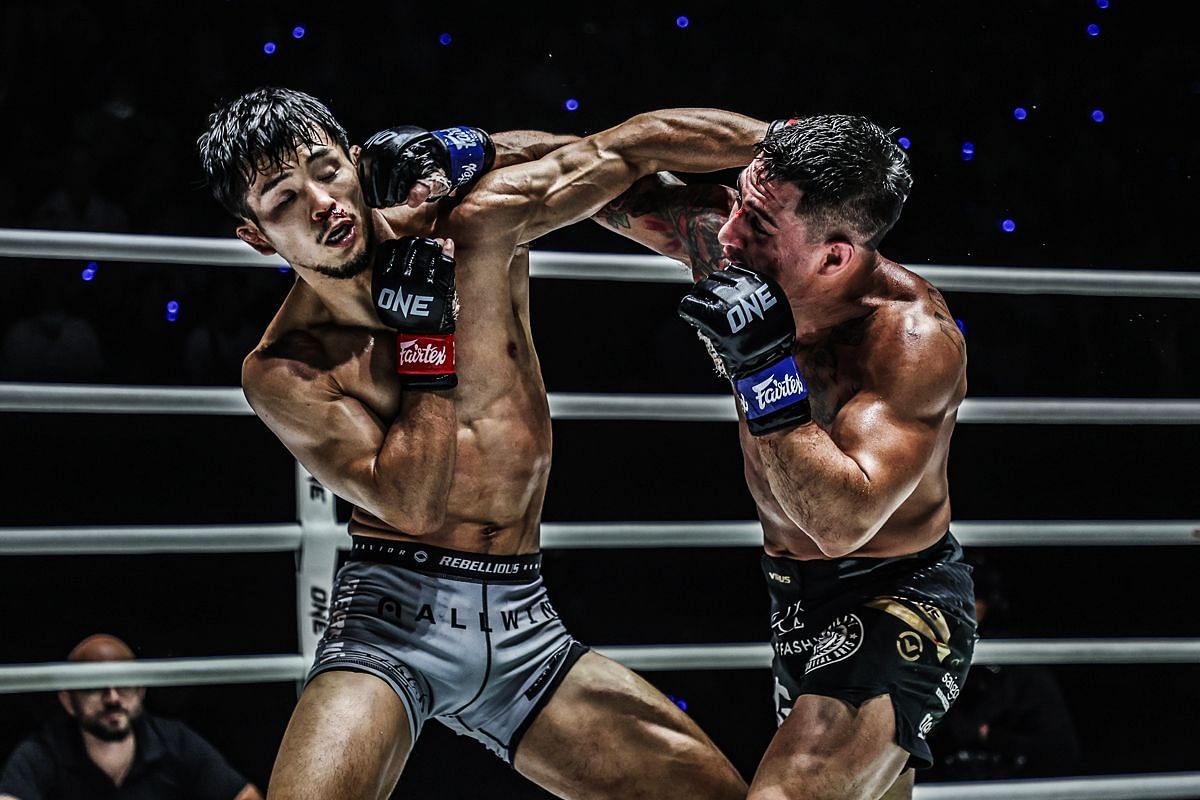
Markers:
point(823, 491)
point(517, 147)
point(411, 477)
point(686, 140)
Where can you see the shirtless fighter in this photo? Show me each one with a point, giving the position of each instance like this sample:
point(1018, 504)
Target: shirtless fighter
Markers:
point(848, 372)
point(425, 409)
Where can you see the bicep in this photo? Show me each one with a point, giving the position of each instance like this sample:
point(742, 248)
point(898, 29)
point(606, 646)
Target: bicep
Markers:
point(335, 436)
point(890, 443)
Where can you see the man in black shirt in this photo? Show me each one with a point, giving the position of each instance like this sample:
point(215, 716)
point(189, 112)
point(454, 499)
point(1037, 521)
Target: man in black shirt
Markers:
point(108, 747)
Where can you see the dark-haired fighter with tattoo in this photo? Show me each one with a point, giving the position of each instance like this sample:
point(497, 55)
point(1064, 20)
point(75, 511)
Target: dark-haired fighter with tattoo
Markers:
point(409, 385)
point(848, 371)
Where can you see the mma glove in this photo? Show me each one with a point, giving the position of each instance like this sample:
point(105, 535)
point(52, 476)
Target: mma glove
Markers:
point(393, 160)
point(746, 322)
point(412, 285)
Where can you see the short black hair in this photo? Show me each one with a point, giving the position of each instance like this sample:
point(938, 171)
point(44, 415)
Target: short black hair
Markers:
point(258, 131)
point(853, 176)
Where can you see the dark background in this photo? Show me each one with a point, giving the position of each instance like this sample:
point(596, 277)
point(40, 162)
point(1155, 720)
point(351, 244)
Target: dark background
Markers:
point(101, 105)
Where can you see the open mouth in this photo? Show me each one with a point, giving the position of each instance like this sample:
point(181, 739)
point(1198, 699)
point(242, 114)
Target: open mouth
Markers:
point(341, 234)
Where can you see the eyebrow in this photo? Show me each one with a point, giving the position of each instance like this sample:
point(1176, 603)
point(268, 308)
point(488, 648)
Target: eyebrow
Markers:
point(756, 208)
point(314, 154)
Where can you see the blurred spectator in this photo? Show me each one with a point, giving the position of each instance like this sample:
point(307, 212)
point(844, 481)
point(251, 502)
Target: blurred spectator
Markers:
point(107, 746)
point(1009, 722)
point(227, 332)
point(53, 341)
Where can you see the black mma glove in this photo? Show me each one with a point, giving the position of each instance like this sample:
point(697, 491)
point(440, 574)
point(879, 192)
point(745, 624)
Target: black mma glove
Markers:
point(779, 124)
point(413, 288)
point(395, 159)
point(746, 322)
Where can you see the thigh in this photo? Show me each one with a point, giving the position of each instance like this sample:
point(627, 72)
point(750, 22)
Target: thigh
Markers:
point(608, 733)
point(829, 748)
point(348, 738)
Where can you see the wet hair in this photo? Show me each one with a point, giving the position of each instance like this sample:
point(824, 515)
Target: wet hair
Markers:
point(853, 176)
point(257, 133)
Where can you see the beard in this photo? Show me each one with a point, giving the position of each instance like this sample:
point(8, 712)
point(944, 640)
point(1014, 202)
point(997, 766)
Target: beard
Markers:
point(360, 263)
point(107, 731)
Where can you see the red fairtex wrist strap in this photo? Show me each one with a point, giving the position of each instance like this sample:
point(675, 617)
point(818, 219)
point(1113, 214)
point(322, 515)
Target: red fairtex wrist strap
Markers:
point(418, 354)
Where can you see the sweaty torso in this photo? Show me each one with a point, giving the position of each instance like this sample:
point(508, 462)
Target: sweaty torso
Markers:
point(502, 459)
point(837, 368)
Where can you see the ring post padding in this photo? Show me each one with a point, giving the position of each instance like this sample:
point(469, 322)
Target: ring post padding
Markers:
point(320, 535)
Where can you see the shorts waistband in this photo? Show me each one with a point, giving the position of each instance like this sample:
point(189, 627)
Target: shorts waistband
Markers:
point(817, 574)
point(449, 563)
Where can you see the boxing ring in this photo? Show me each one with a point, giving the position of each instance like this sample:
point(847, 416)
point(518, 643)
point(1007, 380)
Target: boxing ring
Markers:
point(315, 535)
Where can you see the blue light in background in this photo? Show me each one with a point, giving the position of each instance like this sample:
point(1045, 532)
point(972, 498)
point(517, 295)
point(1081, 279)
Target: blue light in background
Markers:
point(682, 21)
point(571, 105)
point(968, 151)
point(679, 701)
point(445, 39)
point(89, 271)
point(298, 32)
point(1008, 226)
point(1020, 113)
point(1101, 3)
point(269, 48)
point(1097, 116)
point(904, 142)
point(1093, 29)
point(172, 310)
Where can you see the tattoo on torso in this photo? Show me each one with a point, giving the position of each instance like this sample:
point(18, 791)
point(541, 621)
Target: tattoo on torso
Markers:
point(831, 368)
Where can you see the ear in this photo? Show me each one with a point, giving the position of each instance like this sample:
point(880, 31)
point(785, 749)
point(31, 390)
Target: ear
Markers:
point(249, 233)
point(838, 256)
point(65, 699)
point(355, 152)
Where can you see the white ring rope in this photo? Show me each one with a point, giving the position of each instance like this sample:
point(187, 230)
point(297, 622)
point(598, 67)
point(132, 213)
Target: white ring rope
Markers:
point(228, 252)
point(1109, 787)
point(573, 536)
point(128, 539)
point(647, 658)
point(104, 399)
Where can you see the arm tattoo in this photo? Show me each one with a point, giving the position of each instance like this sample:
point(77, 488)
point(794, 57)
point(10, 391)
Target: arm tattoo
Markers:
point(682, 219)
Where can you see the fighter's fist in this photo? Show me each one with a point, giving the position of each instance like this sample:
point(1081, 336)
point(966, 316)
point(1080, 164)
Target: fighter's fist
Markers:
point(746, 322)
point(413, 288)
point(393, 161)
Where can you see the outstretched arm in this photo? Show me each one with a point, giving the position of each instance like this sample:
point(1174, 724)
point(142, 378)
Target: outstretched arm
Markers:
point(672, 218)
point(523, 202)
point(519, 147)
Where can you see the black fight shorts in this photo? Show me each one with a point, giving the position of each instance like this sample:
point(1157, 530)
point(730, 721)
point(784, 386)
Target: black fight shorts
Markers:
point(856, 628)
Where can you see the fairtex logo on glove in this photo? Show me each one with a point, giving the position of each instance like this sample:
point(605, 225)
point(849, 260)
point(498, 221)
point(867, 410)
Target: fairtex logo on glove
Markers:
point(775, 387)
point(416, 305)
point(466, 151)
point(424, 355)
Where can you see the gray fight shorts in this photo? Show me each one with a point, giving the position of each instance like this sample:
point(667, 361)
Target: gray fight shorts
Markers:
point(468, 639)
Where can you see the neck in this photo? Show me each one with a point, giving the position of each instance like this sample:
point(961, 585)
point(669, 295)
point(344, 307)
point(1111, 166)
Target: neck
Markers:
point(114, 758)
point(348, 301)
point(844, 297)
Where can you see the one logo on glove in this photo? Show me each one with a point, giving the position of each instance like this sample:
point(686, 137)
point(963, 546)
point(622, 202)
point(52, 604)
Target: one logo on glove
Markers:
point(748, 308)
point(415, 305)
point(776, 387)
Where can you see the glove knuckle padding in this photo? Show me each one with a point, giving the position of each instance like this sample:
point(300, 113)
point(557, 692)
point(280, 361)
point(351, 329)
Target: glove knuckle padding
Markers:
point(747, 325)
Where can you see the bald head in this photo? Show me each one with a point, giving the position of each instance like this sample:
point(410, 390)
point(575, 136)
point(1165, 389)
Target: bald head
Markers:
point(101, 647)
